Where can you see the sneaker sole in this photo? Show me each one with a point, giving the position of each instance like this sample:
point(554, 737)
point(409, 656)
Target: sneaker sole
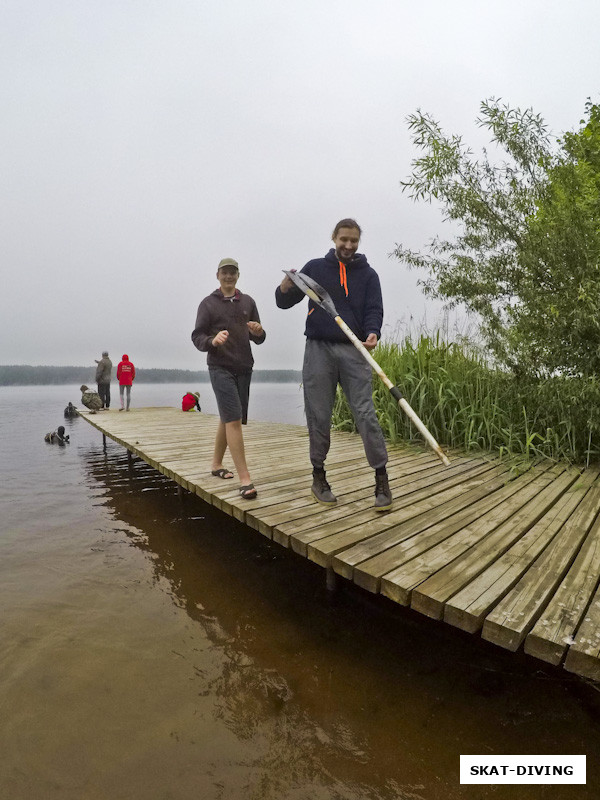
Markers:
point(328, 503)
point(383, 508)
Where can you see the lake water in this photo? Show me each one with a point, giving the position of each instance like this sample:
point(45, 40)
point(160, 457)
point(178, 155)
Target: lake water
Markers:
point(156, 649)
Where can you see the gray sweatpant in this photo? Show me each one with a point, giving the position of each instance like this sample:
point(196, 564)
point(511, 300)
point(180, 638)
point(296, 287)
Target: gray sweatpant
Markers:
point(325, 365)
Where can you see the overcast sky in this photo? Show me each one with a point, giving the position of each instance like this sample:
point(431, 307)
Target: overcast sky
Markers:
point(141, 141)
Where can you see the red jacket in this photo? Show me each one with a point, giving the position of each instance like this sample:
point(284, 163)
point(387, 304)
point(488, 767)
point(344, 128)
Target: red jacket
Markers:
point(125, 372)
point(189, 402)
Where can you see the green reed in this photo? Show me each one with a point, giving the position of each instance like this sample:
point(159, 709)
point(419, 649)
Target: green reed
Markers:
point(468, 404)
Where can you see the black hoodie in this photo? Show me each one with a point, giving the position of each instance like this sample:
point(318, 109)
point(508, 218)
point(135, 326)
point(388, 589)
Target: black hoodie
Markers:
point(356, 294)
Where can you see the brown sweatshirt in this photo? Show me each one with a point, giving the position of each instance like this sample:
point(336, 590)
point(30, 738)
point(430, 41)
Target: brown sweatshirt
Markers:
point(218, 313)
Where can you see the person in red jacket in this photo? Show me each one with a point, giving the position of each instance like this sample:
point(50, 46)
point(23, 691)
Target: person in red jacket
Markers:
point(125, 376)
point(190, 401)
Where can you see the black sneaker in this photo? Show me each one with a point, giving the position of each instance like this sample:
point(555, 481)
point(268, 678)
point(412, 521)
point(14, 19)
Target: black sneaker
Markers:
point(321, 490)
point(383, 495)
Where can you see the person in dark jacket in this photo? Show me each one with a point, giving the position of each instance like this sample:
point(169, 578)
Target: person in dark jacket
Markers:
point(103, 376)
point(226, 322)
point(330, 358)
point(125, 376)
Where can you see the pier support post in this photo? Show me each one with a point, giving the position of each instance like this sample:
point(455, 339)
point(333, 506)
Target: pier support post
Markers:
point(180, 494)
point(331, 580)
point(104, 441)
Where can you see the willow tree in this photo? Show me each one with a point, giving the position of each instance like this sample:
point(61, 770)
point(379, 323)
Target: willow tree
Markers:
point(524, 253)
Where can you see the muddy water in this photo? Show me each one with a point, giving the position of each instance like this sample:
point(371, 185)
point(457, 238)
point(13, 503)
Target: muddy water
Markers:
point(151, 649)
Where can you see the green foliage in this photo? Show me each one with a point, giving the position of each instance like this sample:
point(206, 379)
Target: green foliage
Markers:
point(559, 308)
point(527, 253)
point(469, 404)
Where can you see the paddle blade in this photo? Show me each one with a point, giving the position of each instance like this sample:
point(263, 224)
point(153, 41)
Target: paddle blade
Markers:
point(313, 290)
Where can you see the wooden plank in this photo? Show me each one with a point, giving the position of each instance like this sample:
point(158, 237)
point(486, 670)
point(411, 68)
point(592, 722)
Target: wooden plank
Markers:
point(583, 656)
point(430, 596)
point(299, 509)
point(350, 473)
point(291, 492)
point(511, 545)
point(322, 549)
point(513, 618)
point(286, 518)
point(297, 515)
point(406, 483)
point(556, 628)
point(468, 608)
point(521, 507)
point(366, 562)
point(330, 537)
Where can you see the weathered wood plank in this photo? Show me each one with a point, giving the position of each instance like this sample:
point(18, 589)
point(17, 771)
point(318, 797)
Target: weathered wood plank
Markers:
point(292, 494)
point(360, 512)
point(513, 617)
point(430, 596)
point(560, 620)
point(285, 519)
point(583, 656)
point(468, 608)
point(369, 560)
point(354, 489)
point(321, 543)
point(419, 504)
point(556, 628)
point(520, 507)
point(512, 544)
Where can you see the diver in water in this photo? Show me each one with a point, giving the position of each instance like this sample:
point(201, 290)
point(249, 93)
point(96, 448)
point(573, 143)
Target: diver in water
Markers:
point(70, 411)
point(57, 437)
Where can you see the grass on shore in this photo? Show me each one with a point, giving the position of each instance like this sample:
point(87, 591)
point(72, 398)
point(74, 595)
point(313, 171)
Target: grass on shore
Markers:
point(468, 404)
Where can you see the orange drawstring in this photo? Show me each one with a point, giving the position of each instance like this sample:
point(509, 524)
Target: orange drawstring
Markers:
point(343, 277)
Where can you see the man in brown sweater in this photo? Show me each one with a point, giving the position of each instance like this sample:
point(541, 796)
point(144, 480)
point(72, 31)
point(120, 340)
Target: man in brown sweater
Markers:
point(226, 322)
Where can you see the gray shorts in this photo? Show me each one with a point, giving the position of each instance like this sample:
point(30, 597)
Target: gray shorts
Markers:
point(232, 393)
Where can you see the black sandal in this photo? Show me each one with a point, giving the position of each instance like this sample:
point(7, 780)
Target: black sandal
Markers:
point(248, 492)
point(226, 474)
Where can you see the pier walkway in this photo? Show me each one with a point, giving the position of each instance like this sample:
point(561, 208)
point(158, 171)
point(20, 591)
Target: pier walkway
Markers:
point(511, 553)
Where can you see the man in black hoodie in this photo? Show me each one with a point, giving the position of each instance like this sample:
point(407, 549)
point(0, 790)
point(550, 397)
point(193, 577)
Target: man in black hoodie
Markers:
point(330, 358)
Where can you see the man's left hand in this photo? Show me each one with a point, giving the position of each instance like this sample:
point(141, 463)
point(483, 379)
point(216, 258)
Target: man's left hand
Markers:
point(255, 328)
point(371, 342)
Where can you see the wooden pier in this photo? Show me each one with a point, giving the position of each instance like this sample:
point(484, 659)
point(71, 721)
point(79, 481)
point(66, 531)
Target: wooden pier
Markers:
point(511, 553)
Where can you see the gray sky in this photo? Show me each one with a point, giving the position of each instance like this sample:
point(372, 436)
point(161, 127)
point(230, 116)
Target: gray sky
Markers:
point(143, 140)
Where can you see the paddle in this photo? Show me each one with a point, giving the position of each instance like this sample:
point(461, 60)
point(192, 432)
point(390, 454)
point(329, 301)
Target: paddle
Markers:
point(319, 296)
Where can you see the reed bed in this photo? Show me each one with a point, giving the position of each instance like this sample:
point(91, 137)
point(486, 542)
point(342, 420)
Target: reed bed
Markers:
point(469, 404)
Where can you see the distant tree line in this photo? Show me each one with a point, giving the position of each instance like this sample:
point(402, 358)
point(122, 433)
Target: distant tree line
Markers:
point(24, 375)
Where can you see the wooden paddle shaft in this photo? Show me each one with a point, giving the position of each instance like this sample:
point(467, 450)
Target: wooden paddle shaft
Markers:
point(395, 391)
